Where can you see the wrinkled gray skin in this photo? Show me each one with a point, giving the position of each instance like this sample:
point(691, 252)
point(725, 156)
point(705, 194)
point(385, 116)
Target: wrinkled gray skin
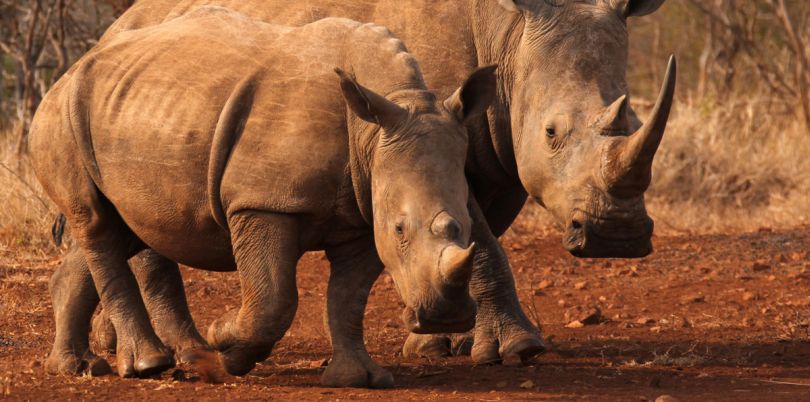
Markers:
point(251, 161)
point(561, 131)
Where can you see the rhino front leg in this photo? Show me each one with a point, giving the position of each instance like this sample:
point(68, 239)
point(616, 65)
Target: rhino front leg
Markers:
point(355, 267)
point(74, 299)
point(266, 248)
point(502, 330)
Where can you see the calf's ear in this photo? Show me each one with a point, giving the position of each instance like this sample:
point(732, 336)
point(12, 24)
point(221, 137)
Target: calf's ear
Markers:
point(637, 8)
point(475, 96)
point(367, 104)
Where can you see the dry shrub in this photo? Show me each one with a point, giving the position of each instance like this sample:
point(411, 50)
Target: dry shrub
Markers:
point(26, 213)
point(739, 164)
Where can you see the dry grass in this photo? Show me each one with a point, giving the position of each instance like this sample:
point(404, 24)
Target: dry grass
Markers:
point(26, 213)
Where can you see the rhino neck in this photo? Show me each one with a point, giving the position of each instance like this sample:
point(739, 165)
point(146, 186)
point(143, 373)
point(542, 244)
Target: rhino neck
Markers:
point(496, 35)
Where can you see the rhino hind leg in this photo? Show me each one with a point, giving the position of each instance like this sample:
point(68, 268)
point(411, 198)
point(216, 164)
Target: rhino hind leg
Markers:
point(266, 248)
point(355, 267)
point(163, 292)
point(107, 244)
point(74, 299)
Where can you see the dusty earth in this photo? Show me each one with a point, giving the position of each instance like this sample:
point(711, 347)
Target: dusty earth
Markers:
point(703, 318)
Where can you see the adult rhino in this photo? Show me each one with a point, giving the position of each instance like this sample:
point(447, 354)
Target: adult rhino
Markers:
point(253, 160)
point(560, 131)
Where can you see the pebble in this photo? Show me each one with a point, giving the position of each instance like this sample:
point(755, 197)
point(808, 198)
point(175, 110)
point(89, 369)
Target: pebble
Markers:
point(667, 398)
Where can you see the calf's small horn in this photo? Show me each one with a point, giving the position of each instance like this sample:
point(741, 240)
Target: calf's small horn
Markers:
point(638, 150)
point(455, 264)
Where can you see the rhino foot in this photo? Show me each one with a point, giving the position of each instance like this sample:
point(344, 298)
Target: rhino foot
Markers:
point(514, 345)
point(356, 372)
point(104, 335)
point(437, 345)
point(69, 363)
point(236, 354)
point(143, 364)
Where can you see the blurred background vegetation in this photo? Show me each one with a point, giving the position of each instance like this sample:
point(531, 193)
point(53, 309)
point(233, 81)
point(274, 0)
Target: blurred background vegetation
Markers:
point(735, 156)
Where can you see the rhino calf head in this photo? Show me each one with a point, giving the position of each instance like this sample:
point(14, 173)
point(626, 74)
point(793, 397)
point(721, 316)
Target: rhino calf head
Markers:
point(419, 195)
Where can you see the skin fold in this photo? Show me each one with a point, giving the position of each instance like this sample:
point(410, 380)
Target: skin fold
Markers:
point(560, 130)
point(278, 149)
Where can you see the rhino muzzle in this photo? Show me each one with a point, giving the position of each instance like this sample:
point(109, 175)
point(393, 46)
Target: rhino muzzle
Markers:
point(459, 318)
point(588, 238)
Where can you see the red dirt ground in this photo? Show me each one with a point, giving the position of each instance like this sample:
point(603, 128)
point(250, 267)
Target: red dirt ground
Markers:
point(703, 318)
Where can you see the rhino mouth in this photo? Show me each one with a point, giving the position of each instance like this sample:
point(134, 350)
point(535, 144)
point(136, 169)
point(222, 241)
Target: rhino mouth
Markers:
point(632, 239)
point(444, 323)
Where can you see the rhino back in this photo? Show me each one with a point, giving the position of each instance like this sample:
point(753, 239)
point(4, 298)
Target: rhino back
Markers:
point(437, 33)
point(155, 99)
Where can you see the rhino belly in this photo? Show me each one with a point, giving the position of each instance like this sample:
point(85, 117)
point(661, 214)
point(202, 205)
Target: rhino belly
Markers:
point(162, 197)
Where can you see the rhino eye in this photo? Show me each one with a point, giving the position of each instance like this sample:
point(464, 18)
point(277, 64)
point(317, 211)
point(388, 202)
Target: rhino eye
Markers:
point(398, 228)
point(550, 132)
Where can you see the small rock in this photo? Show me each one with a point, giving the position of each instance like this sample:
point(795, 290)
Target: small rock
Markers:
point(748, 296)
point(645, 321)
point(562, 303)
point(796, 256)
point(760, 266)
point(593, 317)
point(655, 329)
point(575, 324)
point(667, 398)
point(580, 285)
point(694, 299)
point(545, 284)
point(319, 363)
point(528, 384)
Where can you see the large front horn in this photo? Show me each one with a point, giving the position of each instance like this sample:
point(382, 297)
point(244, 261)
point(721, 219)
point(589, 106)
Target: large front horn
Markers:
point(636, 153)
point(455, 264)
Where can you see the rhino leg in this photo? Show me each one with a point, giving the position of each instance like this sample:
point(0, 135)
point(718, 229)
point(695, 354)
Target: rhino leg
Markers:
point(74, 300)
point(266, 247)
point(162, 290)
point(355, 267)
point(107, 244)
point(502, 330)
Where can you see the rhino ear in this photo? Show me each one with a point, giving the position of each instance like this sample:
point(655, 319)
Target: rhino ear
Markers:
point(475, 96)
point(638, 8)
point(367, 104)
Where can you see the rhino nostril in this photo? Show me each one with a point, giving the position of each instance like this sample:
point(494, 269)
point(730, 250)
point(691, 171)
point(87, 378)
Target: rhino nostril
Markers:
point(576, 225)
point(446, 227)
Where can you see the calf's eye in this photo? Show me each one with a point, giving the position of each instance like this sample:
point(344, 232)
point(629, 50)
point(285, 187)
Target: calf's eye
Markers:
point(398, 228)
point(550, 132)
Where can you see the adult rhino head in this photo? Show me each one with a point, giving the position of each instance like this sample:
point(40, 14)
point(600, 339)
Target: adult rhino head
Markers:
point(419, 195)
point(580, 150)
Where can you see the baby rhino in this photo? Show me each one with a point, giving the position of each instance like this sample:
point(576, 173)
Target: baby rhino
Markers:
point(226, 143)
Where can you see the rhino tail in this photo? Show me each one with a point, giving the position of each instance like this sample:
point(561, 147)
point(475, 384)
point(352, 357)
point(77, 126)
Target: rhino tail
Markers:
point(58, 229)
point(229, 129)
